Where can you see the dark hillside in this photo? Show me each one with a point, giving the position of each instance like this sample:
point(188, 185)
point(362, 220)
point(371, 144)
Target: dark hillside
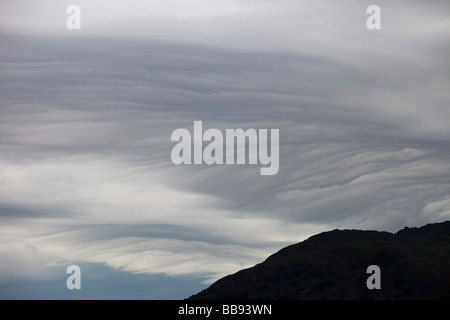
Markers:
point(414, 263)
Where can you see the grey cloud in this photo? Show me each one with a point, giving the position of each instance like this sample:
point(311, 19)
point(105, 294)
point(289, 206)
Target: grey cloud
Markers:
point(14, 211)
point(109, 232)
point(86, 122)
point(148, 95)
point(319, 103)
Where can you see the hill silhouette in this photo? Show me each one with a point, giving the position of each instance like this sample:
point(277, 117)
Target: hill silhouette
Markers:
point(414, 264)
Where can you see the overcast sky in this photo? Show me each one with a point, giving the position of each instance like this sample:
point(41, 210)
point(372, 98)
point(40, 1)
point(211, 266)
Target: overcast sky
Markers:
point(86, 118)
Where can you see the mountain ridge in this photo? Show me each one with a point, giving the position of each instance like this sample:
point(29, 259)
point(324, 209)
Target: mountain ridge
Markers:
point(414, 264)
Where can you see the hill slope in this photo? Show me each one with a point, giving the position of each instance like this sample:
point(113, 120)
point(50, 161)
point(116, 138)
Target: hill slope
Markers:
point(414, 263)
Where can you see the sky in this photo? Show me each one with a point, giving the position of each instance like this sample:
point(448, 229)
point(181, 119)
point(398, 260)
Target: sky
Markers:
point(86, 118)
